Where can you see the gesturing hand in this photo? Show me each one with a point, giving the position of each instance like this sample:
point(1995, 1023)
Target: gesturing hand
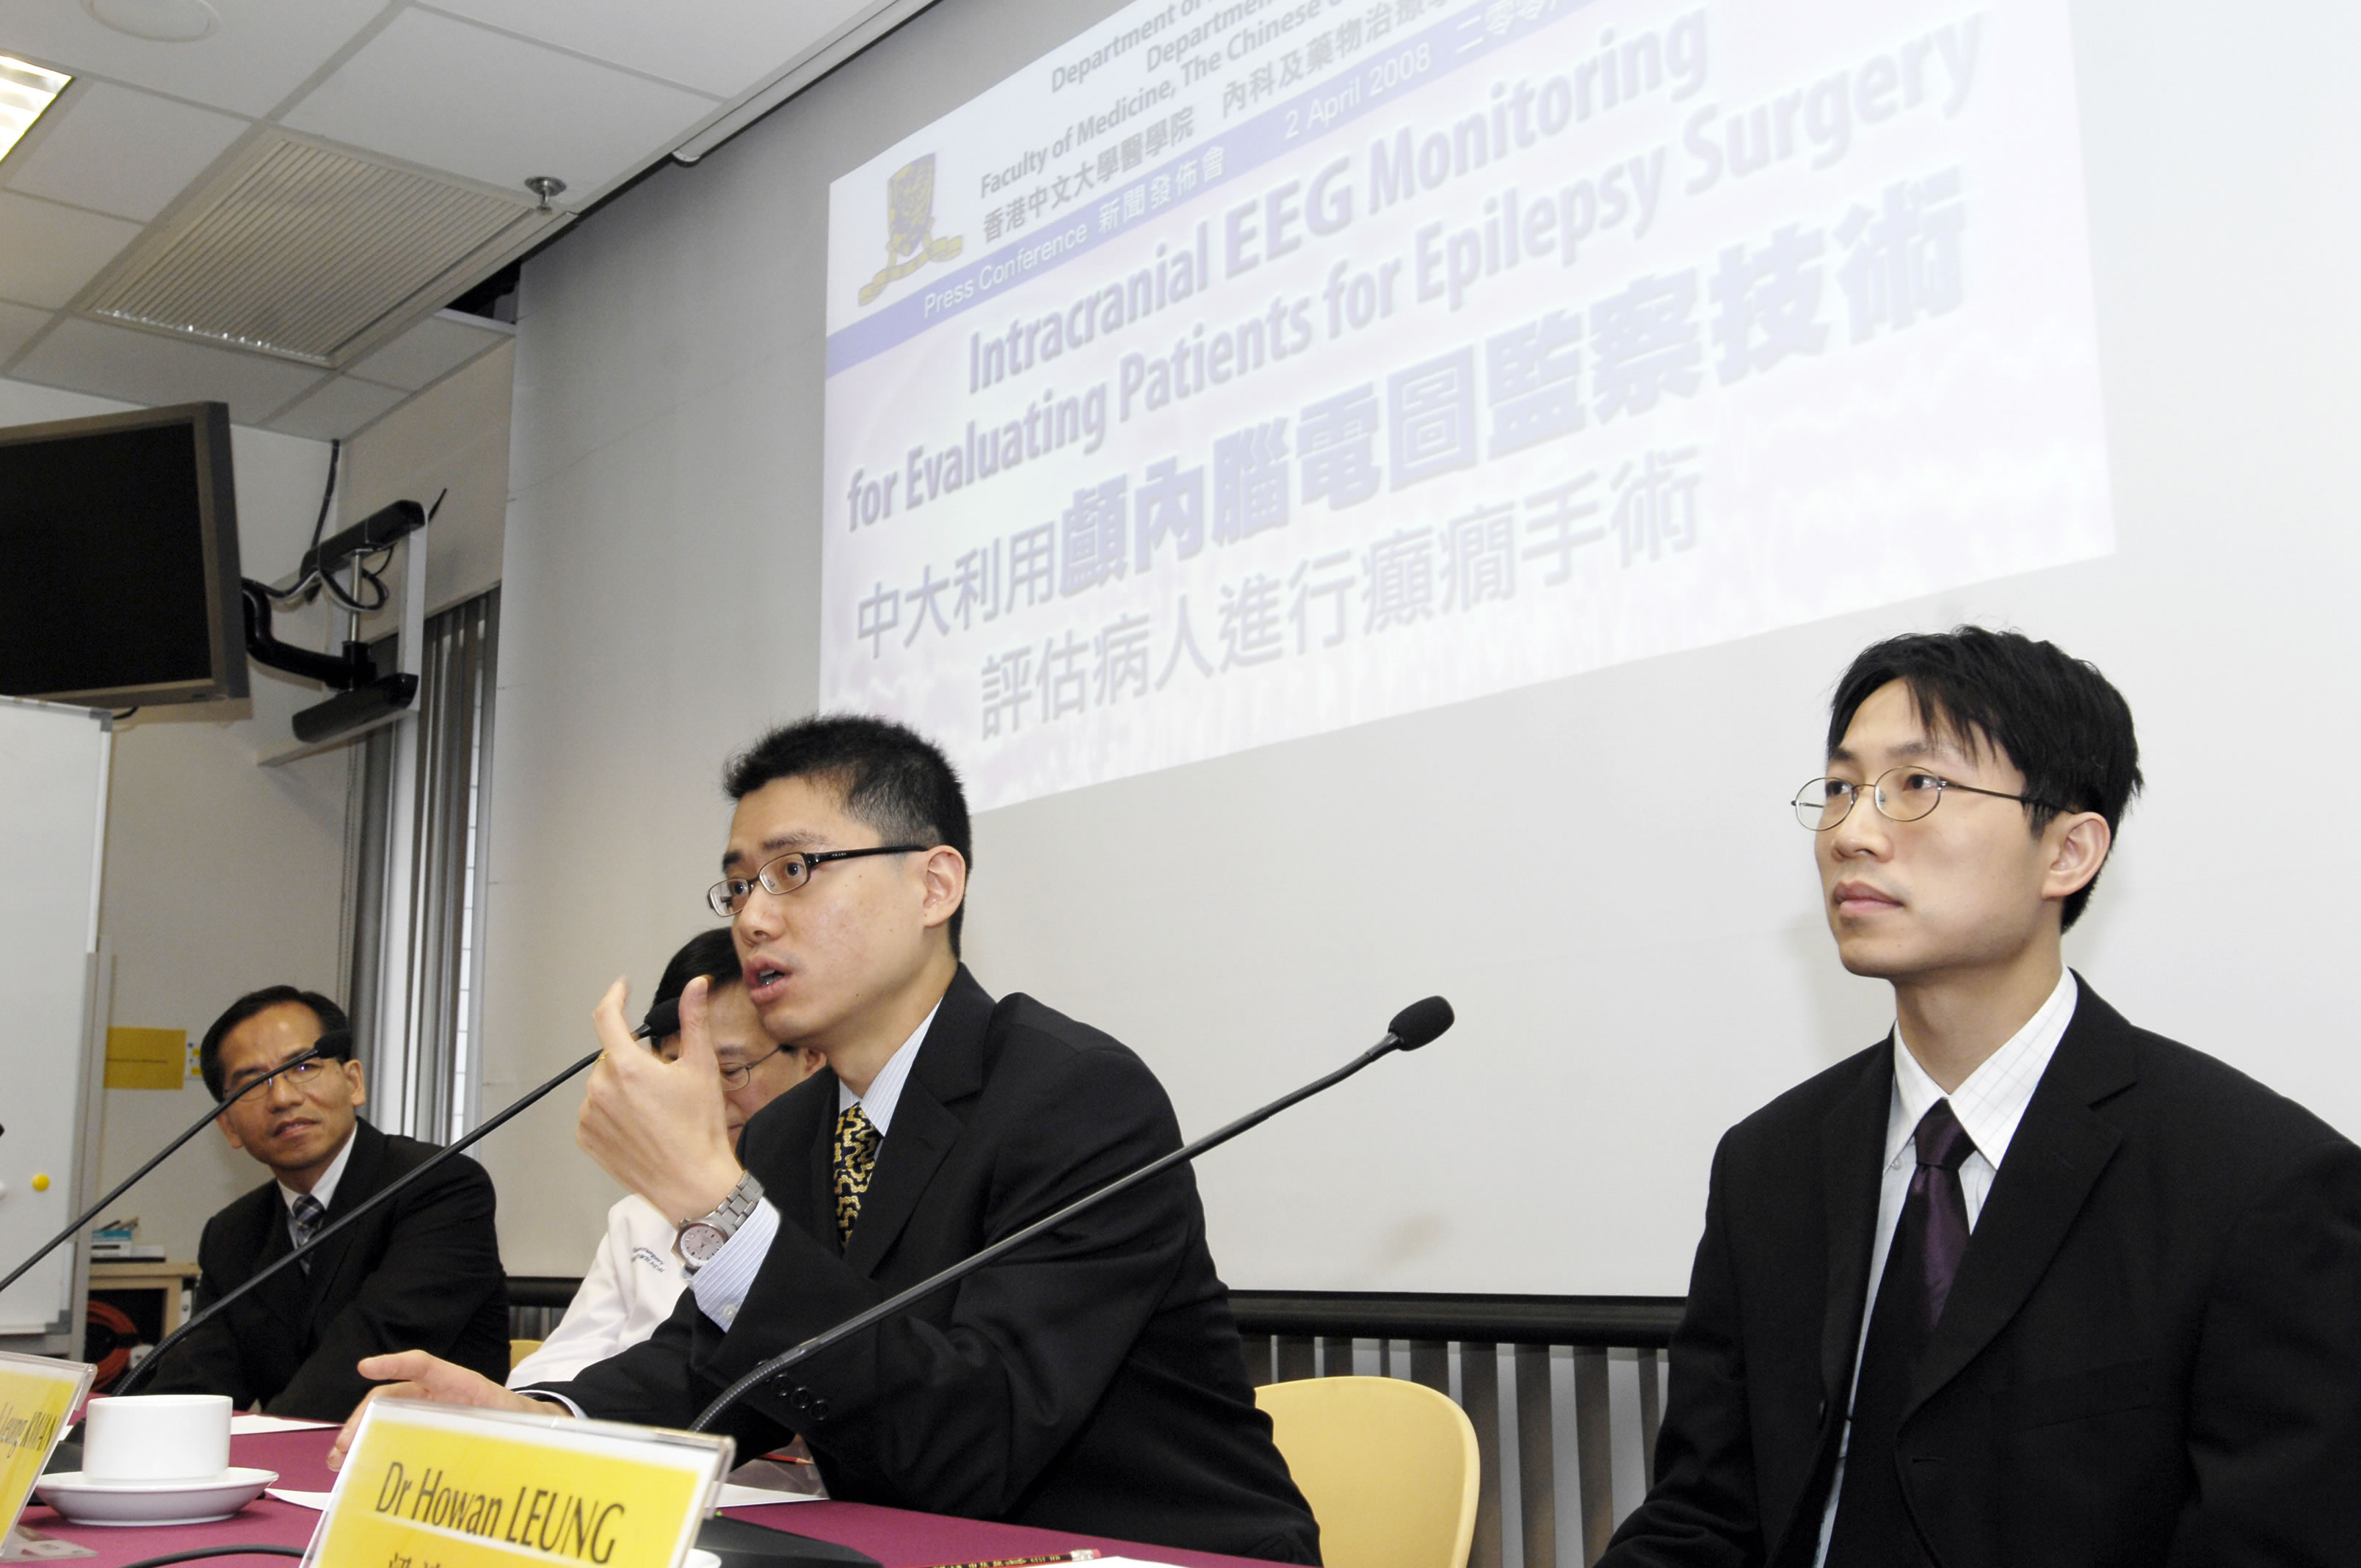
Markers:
point(658, 1127)
point(418, 1376)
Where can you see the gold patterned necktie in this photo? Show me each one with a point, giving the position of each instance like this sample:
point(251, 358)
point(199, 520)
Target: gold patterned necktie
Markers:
point(856, 1156)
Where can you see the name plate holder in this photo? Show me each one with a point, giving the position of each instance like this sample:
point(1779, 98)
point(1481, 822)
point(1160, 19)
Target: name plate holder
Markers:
point(37, 1400)
point(445, 1487)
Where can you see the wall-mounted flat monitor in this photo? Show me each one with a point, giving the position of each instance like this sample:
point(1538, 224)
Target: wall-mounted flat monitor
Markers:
point(118, 560)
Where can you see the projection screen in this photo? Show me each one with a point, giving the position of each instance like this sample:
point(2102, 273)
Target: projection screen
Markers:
point(1236, 372)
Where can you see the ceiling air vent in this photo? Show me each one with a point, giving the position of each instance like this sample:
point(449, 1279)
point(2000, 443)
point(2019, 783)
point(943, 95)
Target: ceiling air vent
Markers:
point(313, 255)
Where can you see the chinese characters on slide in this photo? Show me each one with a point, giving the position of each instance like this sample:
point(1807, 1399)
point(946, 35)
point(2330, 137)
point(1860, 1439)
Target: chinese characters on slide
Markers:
point(1239, 372)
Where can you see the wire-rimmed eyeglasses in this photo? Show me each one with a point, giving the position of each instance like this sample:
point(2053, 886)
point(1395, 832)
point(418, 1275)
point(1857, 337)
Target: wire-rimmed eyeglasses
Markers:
point(788, 874)
point(1900, 794)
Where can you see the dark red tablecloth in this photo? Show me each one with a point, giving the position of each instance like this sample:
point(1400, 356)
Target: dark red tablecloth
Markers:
point(895, 1538)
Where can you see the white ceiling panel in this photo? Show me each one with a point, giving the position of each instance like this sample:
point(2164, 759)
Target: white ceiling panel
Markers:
point(430, 350)
point(121, 150)
point(148, 368)
point(53, 251)
point(263, 50)
point(337, 409)
point(723, 47)
point(456, 97)
point(17, 325)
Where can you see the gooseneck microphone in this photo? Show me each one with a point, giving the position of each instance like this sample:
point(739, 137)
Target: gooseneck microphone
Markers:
point(73, 1227)
point(1414, 1025)
point(383, 1195)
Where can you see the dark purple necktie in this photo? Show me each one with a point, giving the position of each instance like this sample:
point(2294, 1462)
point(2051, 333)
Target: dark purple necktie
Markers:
point(1874, 1528)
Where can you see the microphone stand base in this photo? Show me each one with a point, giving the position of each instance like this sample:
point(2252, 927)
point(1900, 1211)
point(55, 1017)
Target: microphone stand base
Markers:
point(742, 1543)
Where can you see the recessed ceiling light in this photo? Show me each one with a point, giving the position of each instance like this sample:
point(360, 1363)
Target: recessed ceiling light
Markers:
point(25, 91)
point(159, 21)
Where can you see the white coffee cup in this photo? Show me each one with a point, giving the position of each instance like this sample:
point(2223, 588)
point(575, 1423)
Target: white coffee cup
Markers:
point(156, 1437)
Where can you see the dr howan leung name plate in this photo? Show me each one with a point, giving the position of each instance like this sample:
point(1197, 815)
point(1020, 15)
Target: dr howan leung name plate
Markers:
point(433, 1486)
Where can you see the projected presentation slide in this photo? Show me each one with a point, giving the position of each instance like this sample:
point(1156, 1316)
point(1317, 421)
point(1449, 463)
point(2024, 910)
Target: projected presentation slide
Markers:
point(1241, 371)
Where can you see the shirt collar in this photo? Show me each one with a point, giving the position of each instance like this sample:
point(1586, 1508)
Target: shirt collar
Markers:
point(885, 1088)
point(325, 1189)
point(1992, 1101)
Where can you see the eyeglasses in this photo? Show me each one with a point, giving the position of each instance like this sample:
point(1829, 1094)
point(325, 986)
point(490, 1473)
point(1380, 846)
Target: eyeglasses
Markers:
point(736, 1078)
point(788, 874)
point(300, 1072)
point(1902, 794)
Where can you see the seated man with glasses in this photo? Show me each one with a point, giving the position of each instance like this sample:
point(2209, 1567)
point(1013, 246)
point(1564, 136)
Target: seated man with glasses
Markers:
point(1091, 1380)
point(635, 1277)
point(424, 1270)
point(2021, 1283)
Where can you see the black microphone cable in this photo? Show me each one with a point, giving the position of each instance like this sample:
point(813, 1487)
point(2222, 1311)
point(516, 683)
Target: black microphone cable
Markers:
point(381, 1196)
point(1414, 1025)
point(124, 1186)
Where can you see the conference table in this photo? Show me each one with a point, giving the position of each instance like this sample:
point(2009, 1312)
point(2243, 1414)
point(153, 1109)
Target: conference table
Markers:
point(895, 1537)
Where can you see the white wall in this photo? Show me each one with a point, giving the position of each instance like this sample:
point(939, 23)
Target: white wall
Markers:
point(1601, 872)
point(221, 875)
point(453, 436)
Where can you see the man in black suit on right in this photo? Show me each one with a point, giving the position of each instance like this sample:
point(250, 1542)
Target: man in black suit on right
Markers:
point(2022, 1283)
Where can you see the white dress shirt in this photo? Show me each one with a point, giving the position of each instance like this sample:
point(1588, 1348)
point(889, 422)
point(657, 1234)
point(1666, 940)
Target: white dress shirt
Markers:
point(634, 1282)
point(1989, 1104)
point(721, 1285)
point(325, 1189)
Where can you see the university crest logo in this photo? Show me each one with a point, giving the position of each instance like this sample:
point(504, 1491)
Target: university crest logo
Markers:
point(910, 227)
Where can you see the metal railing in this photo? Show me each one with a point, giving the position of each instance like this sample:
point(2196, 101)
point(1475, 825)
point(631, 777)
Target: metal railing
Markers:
point(1454, 1344)
point(536, 1301)
point(1457, 1344)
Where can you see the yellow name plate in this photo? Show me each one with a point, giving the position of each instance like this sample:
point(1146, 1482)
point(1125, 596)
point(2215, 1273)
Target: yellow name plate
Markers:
point(38, 1396)
point(443, 1487)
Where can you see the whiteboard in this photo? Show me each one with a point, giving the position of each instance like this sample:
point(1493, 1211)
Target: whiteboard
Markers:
point(53, 763)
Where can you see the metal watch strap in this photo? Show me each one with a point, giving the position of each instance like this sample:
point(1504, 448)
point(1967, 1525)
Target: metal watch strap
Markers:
point(724, 1221)
point(733, 1209)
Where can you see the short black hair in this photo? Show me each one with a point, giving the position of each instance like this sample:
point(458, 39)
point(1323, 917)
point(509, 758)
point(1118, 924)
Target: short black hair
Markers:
point(710, 955)
point(892, 778)
point(2056, 718)
point(332, 1023)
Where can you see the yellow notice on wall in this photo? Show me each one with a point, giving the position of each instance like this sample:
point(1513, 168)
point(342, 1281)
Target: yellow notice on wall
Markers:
point(442, 1486)
point(146, 1058)
point(38, 1396)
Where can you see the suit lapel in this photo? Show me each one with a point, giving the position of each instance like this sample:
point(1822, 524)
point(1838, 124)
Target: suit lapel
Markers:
point(281, 1295)
point(820, 1154)
point(1853, 1143)
point(2053, 1161)
point(949, 1070)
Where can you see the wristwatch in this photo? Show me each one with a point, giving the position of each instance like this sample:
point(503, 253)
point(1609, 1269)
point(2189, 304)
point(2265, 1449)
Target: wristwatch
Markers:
point(698, 1240)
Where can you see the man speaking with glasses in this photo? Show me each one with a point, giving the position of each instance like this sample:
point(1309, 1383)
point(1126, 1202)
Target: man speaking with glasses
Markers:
point(1091, 1381)
point(2021, 1283)
point(424, 1270)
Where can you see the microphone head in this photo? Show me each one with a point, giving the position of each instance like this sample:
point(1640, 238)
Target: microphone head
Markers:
point(662, 1019)
point(1420, 1022)
point(333, 1040)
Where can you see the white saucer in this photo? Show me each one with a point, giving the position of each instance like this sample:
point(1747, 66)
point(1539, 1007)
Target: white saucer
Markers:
point(85, 1501)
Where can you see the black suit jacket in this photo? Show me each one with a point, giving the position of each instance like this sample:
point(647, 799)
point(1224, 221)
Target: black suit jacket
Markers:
point(1091, 1381)
point(2151, 1354)
point(423, 1272)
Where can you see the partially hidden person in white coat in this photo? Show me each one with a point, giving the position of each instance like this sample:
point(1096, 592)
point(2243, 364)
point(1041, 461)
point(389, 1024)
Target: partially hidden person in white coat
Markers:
point(636, 1276)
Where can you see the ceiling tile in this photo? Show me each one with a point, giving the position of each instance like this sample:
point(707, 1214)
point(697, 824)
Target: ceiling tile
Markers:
point(121, 150)
point(150, 368)
point(53, 251)
point(17, 325)
point(430, 350)
point(339, 407)
point(263, 50)
point(456, 97)
point(723, 47)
